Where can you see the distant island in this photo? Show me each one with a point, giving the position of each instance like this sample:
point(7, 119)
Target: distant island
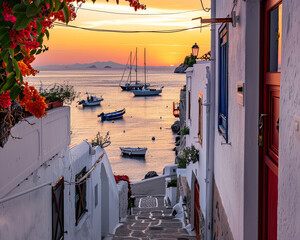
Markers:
point(94, 65)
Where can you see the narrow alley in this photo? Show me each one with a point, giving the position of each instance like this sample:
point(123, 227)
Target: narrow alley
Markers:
point(151, 220)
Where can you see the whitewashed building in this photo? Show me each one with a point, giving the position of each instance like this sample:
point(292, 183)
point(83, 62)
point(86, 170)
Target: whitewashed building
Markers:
point(252, 128)
point(49, 191)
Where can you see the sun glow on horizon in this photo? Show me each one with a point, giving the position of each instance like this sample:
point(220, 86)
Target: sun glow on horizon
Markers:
point(69, 46)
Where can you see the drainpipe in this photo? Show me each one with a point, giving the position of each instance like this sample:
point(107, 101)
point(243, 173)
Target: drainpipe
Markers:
point(210, 132)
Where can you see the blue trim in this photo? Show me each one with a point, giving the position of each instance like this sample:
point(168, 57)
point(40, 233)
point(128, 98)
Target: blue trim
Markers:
point(223, 83)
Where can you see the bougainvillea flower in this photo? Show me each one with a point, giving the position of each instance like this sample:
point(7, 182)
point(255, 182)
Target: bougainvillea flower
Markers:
point(33, 102)
point(5, 100)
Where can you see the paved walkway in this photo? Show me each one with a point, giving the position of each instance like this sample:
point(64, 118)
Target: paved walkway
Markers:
point(151, 220)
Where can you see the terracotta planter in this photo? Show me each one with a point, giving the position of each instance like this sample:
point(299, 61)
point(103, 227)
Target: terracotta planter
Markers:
point(55, 104)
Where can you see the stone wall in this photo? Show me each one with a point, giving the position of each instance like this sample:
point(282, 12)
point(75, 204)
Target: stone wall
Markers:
point(221, 229)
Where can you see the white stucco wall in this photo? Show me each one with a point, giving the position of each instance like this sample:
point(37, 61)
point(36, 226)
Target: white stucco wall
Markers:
point(229, 159)
point(289, 140)
point(30, 216)
point(196, 81)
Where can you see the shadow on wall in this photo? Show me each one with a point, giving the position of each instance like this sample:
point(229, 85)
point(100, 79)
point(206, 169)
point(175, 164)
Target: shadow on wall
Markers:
point(104, 202)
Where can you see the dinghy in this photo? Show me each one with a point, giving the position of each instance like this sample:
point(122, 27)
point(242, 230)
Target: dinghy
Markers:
point(112, 115)
point(133, 151)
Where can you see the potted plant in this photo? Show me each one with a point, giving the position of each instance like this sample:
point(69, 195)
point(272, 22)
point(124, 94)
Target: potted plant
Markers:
point(58, 94)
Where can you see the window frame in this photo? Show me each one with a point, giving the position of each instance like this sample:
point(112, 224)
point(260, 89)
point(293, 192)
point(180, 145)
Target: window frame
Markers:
point(223, 90)
point(80, 191)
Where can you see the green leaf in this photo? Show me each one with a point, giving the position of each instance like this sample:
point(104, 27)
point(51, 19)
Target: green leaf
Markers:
point(15, 91)
point(17, 69)
point(66, 13)
point(33, 51)
point(38, 51)
point(32, 10)
point(51, 5)
point(22, 22)
point(57, 5)
point(10, 81)
point(25, 53)
point(17, 49)
point(37, 2)
point(47, 33)
point(19, 57)
point(63, 4)
point(19, 8)
point(39, 27)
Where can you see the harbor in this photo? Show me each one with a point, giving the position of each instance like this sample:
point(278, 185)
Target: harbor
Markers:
point(145, 117)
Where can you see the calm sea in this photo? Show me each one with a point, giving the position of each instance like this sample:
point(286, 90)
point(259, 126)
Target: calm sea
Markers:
point(145, 117)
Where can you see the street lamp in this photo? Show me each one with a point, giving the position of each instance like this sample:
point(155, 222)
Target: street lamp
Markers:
point(195, 50)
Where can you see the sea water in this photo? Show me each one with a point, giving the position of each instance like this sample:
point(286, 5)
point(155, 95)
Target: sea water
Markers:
point(145, 118)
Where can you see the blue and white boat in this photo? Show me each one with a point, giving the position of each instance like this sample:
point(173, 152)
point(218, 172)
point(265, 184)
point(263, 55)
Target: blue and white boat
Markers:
point(112, 115)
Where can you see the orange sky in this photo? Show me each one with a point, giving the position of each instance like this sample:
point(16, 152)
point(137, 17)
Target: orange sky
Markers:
point(68, 46)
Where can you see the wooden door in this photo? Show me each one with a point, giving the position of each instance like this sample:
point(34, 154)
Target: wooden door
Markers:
point(269, 118)
point(58, 210)
point(196, 208)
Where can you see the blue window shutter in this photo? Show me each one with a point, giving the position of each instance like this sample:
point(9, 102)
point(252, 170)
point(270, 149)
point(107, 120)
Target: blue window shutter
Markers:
point(223, 84)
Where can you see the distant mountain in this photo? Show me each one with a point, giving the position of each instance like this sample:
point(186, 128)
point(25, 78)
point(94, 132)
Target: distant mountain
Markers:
point(81, 66)
point(92, 66)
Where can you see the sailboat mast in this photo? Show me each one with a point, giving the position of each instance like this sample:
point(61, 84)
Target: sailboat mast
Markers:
point(130, 66)
point(145, 64)
point(136, 66)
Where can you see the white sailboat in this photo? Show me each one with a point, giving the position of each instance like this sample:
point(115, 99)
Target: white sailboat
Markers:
point(146, 90)
point(131, 85)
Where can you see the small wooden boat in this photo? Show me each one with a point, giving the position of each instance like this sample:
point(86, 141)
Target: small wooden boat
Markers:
point(112, 115)
point(133, 151)
point(91, 100)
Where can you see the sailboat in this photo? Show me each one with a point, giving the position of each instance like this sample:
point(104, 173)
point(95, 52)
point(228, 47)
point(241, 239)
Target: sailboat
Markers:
point(131, 85)
point(145, 90)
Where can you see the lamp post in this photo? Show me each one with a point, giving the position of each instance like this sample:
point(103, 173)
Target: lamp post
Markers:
point(195, 50)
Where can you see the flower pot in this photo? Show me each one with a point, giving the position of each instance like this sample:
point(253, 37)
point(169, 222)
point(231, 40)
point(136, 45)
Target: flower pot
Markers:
point(55, 104)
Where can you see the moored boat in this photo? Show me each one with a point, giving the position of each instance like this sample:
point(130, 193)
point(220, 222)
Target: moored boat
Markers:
point(112, 115)
point(145, 91)
point(131, 84)
point(133, 151)
point(91, 100)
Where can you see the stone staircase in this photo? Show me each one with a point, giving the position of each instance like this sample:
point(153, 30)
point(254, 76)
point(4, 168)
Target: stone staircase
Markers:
point(151, 220)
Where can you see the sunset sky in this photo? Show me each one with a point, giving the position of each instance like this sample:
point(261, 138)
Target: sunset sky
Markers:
point(68, 45)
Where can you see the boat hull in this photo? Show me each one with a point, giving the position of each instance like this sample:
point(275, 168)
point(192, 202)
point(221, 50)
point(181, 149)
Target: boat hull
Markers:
point(91, 103)
point(148, 92)
point(134, 151)
point(112, 116)
point(130, 87)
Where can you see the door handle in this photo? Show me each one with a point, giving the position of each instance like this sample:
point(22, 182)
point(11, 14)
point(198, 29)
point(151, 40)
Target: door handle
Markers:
point(261, 129)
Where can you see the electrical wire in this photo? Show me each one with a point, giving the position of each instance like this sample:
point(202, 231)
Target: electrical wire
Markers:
point(131, 31)
point(203, 8)
point(135, 14)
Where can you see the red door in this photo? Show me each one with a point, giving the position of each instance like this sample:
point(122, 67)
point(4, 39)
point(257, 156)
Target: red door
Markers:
point(196, 209)
point(269, 118)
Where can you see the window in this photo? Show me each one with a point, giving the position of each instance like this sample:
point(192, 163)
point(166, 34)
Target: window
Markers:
point(96, 195)
point(223, 84)
point(80, 196)
point(58, 210)
point(200, 121)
